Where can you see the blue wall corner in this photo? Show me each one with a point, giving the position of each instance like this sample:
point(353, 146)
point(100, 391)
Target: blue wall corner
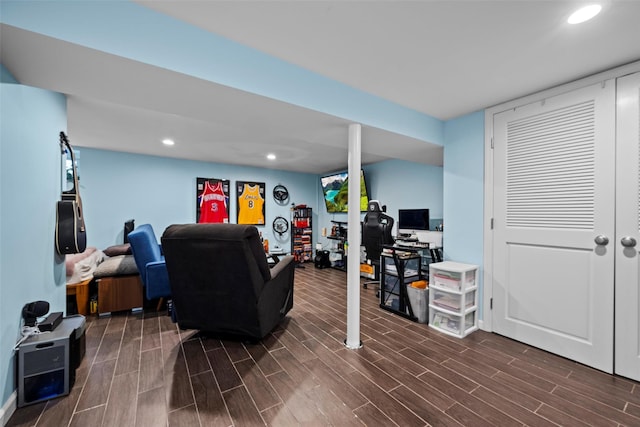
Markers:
point(30, 167)
point(464, 190)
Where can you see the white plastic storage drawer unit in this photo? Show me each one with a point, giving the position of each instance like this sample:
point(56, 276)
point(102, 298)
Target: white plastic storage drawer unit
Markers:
point(453, 298)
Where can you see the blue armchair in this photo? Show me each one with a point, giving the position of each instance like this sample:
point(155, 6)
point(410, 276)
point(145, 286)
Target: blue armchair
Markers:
point(150, 262)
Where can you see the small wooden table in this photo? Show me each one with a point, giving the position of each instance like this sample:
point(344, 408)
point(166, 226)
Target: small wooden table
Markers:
point(81, 291)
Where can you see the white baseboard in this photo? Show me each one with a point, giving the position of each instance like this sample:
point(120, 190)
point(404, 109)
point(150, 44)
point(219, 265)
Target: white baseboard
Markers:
point(8, 408)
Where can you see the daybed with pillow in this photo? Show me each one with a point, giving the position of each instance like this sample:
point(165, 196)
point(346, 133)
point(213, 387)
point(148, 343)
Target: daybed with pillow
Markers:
point(80, 269)
point(118, 280)
point(116, 276)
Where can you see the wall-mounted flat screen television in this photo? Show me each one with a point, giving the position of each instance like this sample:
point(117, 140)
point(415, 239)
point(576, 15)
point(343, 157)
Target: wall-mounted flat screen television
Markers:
point(336, 196)
point(412, 220)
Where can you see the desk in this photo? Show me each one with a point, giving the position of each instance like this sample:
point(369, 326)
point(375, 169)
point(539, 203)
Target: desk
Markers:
point(428, 251)
point(398, 268)
point(409, 245)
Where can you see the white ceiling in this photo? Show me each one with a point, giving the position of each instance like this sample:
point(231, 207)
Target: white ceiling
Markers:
point(442, 58)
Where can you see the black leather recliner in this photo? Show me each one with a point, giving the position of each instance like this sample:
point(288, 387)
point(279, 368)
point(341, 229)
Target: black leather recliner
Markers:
point(221, 281)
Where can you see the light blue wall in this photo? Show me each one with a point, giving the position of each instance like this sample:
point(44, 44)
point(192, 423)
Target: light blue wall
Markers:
point(398, 184)
point(6, 76)
point(118, 186)
point(464, 190)
point(406, 185)
point(161, 191)
point(30, 170)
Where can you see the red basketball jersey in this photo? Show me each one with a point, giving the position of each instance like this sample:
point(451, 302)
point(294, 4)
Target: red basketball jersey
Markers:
point(213, 204)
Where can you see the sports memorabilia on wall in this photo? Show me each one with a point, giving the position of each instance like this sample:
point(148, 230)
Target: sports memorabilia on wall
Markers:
point(280, 225)
point(212, 200)
point(281, 194)
point(250, 202)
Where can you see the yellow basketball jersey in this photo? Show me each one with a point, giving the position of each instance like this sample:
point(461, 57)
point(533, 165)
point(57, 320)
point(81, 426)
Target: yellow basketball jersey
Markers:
point(250, 205)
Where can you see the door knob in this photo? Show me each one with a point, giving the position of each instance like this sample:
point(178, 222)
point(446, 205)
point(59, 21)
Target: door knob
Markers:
point(601, 240)
point(628, 242)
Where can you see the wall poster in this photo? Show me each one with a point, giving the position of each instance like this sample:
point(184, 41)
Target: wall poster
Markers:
point(212, 200)
point(250, 202)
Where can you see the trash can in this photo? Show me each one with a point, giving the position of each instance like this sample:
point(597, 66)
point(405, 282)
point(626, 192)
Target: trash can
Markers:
point(419, 299)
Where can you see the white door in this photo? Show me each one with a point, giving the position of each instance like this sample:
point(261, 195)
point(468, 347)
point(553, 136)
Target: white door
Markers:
point(554, 168)
point(627, 296)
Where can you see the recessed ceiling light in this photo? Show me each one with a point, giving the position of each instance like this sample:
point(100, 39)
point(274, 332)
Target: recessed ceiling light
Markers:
point(271, 156)
point(584, 14)
point(168, 141)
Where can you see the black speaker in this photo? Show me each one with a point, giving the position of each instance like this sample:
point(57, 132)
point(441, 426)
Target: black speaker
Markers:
point(322, 259)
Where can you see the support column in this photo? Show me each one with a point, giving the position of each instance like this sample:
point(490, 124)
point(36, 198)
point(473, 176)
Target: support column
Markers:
point(353, 239)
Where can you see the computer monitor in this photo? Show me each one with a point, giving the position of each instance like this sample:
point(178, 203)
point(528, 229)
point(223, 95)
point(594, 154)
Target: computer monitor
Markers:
point(412, 220)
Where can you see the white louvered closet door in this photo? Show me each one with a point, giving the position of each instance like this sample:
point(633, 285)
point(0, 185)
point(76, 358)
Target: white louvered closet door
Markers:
point(554, 169)
point(627, 317)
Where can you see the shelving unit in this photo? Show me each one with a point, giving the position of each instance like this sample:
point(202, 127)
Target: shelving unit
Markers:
point(453, 298)
point(397, 270)
point(302, 234)
point(337, 254)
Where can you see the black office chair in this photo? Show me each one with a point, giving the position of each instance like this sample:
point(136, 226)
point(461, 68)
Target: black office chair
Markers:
point(376, 231)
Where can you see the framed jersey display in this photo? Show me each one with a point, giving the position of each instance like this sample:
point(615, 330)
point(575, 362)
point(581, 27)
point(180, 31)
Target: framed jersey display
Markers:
point(212, 200)
point(250, 202)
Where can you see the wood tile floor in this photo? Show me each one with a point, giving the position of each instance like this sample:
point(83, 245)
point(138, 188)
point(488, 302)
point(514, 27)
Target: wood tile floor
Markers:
point(140, 370)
